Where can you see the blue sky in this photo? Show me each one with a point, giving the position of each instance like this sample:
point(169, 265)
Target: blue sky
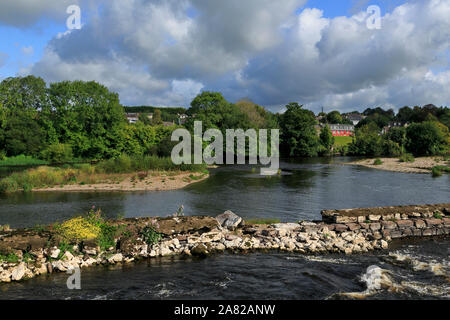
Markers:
point(163, 53)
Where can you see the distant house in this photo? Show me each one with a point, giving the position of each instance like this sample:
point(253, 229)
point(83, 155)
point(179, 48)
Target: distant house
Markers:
point(132, 117)
point(355, 118)
point(342, 130)
point(392, 125)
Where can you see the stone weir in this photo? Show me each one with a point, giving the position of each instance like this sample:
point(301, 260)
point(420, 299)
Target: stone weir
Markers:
point(27, 253)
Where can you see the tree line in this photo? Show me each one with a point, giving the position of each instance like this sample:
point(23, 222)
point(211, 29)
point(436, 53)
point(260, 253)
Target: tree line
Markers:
point(84, 120)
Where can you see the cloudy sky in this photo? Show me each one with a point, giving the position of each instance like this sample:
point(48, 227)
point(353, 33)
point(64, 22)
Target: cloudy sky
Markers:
point(164, 52)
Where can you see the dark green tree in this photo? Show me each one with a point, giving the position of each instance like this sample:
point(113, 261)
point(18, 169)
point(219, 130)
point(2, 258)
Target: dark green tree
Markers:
point(298, 135)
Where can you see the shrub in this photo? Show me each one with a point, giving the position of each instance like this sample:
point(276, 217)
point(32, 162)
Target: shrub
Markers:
point(58, 153)
point(378, 162)
point(407, 157)
point(150, 236)
point(78, 229)
point(436, 172)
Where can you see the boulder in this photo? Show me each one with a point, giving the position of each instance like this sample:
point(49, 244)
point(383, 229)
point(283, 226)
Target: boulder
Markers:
point(18, 272)
point(118, 257)
point(229, 220)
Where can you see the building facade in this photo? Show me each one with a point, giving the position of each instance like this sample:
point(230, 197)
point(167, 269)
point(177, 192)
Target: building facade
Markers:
point(342, 130)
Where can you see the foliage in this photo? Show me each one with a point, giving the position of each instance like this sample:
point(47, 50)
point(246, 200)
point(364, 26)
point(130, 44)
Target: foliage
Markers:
point(378, 162)
point(78, 229)
point(326, 138)
point(367, 141)
point(406, 157)
point(157, 119)
point(21, 160)
point(150, 236)
point(10, 258)
point(436, 172)
point(58, 153)
point(298, 135)
point(425, 138)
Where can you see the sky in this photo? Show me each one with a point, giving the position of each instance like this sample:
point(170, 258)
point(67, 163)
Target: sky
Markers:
point(320, 53)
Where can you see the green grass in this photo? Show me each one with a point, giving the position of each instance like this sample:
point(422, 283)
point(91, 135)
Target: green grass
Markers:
point(10, 258)
point(21, 161)
point(342, 141)
point(262, 221)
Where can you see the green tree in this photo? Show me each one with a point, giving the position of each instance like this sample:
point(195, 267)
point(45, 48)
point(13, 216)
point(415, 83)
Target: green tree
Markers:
point(425, 138)
point(143, 117)
point(298, 135)
point(87, 116)
point(334, 117)
point(367, 141)
point(157, 120)
point(326, 138)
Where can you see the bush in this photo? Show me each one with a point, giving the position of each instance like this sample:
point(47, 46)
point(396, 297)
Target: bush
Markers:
point(378, 162)
point(150, 236)
point(58, 153)
point(78, 229)
point(436, 172)
point(406, 157)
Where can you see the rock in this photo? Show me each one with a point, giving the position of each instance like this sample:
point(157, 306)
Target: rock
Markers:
point(67, 256)
point(384, 244)
point(403, 224)
point(18, 272)
point(200, 250)
point(118, 257)
point(5, 276)
point(54, 253)
point(229, 220)
point(373, 217)
point(165, 251)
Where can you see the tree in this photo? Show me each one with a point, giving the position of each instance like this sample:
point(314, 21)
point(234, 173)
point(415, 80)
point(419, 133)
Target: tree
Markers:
point(334, 117)
point(326, 138)
point(157, 120)
point(298, 135)
point(425, 138)
point(367, 141)
point(87, 116)
point(143, 117)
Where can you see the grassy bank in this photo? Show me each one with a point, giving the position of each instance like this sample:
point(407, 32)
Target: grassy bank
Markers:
point(340, 141)
point(21, 161)
point(108, 171)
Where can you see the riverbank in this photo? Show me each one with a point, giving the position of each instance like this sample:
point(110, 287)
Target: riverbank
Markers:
point(420, 165)
point(84, 242)
point(145, 181)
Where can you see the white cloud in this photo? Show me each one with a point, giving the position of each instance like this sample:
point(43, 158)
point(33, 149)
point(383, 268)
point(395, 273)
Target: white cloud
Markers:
point(28, 51)
point(155, 52)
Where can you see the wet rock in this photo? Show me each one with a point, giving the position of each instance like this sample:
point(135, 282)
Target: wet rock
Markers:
point(200, 250)
point(229, 220)
point(118, 257)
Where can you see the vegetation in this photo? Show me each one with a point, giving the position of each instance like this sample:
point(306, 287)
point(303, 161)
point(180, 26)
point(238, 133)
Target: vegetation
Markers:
point(45, 176)
point(437, 171)
point(89, 227)
point(378, 162)
point(21, 160)
point(84, 120)
point(150, 236)
point(406, 157)
point(10, 258)
point(262, 221)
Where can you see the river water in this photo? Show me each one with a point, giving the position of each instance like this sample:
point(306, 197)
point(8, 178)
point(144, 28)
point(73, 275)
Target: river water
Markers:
point(417, 270)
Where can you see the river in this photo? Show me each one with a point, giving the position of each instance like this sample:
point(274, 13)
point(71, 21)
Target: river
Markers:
point(304, 188)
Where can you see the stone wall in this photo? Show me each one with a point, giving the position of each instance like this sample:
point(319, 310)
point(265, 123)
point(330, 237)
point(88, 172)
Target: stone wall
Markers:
point(342, 231)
